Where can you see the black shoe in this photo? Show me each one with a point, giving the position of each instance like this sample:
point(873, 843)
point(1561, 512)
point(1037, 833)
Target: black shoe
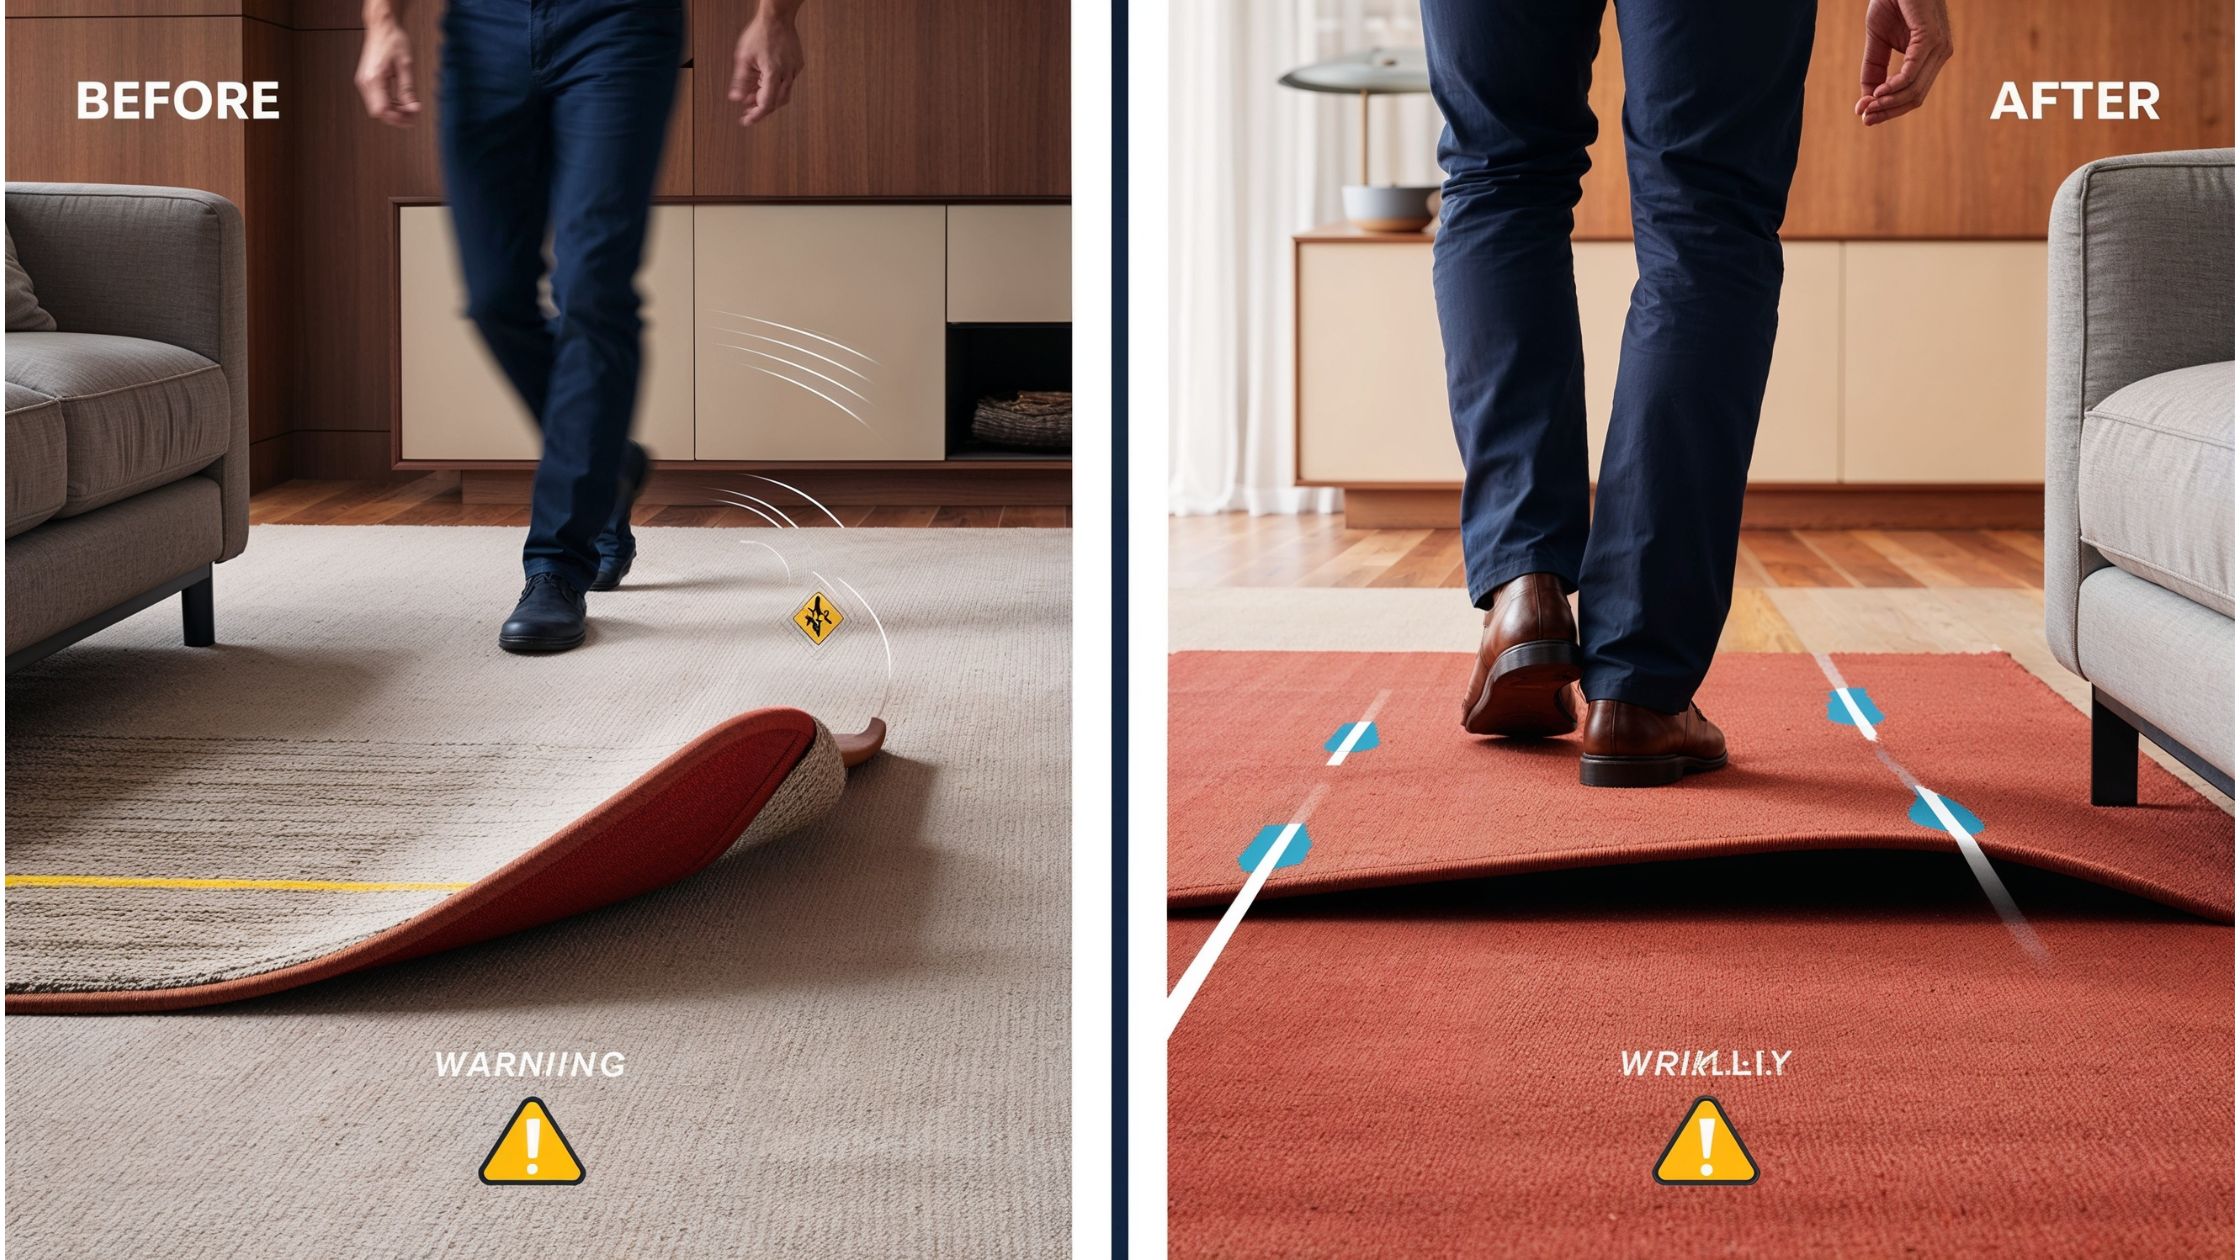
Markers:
point(612, 569)
point(617, 547)
point(549, 617)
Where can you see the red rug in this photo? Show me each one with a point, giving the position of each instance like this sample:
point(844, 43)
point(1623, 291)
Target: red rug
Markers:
point(1246, 747)
point(1372, 1075)
point(1428, 1061)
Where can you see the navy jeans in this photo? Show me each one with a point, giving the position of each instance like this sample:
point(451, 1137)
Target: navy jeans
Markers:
point(552, 114)
point(1714, 102)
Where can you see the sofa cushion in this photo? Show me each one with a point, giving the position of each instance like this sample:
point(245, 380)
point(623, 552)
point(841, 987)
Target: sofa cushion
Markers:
point(135, 414)
point(69, 570)
point(24, 312)
point(35, 462)
point(2154, 482)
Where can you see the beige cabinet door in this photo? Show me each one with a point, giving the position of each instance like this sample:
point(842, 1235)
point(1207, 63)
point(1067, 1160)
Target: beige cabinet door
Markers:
point(1371, 369)
point(1944, 367)
point(821, 334)
point(457, 405)
point(1010, 264)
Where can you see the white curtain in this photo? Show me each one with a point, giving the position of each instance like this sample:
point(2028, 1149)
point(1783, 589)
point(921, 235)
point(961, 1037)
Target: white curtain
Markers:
point(1252, 163)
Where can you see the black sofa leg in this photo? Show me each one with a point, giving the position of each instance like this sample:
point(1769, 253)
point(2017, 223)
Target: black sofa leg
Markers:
point(2115, 757)
point(195, 609)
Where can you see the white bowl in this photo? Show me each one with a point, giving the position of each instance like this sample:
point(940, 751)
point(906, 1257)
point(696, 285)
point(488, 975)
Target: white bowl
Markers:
point(1389, 207)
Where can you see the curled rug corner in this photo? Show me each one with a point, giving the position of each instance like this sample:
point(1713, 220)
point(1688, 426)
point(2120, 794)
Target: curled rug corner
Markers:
point(151, 924)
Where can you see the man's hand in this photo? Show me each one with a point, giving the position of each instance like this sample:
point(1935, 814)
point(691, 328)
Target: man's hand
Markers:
point(766, 62)
point(385, 73)
point(1919, 31)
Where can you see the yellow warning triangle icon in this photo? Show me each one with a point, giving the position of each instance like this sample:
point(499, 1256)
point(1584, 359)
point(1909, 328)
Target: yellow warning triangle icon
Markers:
point(532, 1151)
point(1706, 1151)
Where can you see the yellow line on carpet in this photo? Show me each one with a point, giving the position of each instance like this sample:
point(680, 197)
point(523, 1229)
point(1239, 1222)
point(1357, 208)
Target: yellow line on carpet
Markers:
point(279, 885)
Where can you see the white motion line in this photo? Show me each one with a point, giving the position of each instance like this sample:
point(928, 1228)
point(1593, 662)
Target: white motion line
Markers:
point(1194, 975)
point(810, 498)
point(756, 542)
point(803, 331)
point(1360, 729)
point(741, 494)
point(741, 332)
point(888, 690)
point(798, 367)
point(1978, 861)
point(812, 389)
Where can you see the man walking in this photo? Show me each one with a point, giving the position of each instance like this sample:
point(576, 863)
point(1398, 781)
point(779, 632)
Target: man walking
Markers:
point(1713, 108)
point(553, 116)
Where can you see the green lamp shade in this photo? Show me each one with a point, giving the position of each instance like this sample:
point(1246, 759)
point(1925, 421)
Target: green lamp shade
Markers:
point(1372, 72)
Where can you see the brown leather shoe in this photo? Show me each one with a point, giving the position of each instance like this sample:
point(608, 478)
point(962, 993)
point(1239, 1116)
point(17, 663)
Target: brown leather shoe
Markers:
point(1628, 746)
point(1527, 658)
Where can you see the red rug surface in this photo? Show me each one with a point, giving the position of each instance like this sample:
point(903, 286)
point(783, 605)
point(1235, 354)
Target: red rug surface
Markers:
point(1248, 735)
point(1438, 1071)
point(1429, 1059)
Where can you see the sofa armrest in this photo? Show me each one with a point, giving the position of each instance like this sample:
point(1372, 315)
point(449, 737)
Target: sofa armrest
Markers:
point(2138, 282)
point(164, 264)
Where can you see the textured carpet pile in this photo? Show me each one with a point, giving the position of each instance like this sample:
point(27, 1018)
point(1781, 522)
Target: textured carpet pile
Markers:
point(1417, 1037)
point(849, 1040)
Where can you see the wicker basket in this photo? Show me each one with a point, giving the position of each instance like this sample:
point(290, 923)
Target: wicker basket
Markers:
point(1035, 420)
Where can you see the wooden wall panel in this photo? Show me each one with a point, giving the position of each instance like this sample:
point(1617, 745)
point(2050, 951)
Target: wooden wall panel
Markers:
point(967, 98)
point(347, 167)
point(239, 160)
point(1948, 170)
point(47, 141)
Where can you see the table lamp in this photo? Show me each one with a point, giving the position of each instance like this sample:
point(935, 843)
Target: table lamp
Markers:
point(1374, 72)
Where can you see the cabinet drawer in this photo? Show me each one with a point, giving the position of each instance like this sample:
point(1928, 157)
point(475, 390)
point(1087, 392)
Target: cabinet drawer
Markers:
point(1944, 374)
point(1010, 264)
point(457, 405)
point(820, 332)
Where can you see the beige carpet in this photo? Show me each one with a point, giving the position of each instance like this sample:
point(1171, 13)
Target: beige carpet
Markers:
point(852, 1041)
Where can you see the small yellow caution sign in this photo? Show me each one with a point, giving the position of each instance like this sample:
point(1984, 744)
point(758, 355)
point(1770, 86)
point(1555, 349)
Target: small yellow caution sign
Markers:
point(818, 618)
point(1706, 1151)
point(532, 1151)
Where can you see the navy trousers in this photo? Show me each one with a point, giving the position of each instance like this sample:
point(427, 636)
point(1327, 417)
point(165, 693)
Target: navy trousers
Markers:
point(1713, 105)
point(552, 115)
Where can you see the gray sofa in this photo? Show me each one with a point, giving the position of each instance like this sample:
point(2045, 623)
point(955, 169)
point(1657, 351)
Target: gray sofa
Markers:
point(2139, 457)
point(128, 419)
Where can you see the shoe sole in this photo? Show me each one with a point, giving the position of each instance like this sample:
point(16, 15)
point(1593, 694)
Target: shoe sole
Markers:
point(534, 647)
point(1625, 772)
point(1523, 692)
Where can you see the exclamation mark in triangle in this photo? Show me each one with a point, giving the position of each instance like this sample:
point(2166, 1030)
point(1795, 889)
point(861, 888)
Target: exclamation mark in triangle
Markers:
point(1705, 1150)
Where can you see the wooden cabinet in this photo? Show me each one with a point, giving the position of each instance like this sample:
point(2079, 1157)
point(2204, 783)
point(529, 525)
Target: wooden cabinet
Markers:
point(774, 334)
point(457, 406)
point(1372, 375)
point(1899, 364)
point(820, 332)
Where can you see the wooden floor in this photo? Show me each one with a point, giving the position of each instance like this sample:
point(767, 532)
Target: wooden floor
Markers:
point(1239, 550)
point(434, 500)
